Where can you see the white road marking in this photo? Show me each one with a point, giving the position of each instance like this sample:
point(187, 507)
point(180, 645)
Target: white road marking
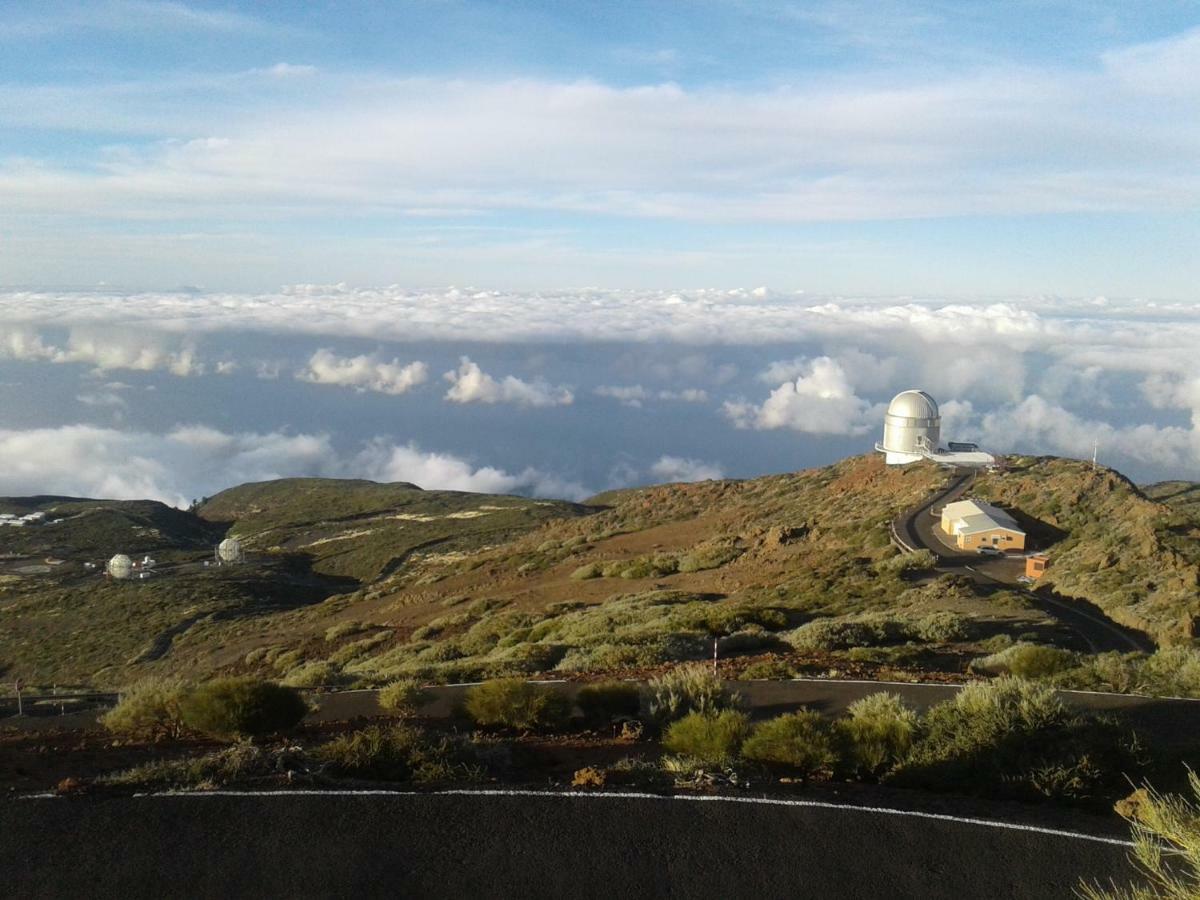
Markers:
point(634, 795)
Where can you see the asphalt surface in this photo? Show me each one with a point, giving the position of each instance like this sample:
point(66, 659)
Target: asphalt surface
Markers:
point(919, 528)
point(475, 845)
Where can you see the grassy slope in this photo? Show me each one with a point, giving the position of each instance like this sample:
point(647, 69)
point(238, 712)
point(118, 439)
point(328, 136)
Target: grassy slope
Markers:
point(684, 562)
point(1137, 559)
point(72, 626)
point(449, 585)
point(361, 529)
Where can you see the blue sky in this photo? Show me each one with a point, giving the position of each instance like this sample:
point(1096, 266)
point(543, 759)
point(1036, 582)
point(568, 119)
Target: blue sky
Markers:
point(559, 247)
point(974, 149)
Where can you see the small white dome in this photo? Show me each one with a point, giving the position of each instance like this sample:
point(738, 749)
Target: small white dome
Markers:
point(120, 566)
point(229, 550)
point(913, 405)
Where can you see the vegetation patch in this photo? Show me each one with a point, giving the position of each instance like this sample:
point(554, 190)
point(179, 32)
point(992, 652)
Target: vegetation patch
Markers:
point(242, 707)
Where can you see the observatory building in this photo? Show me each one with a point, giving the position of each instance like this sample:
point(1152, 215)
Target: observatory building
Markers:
point(119, 567)
point(912, 431)
point(229, 551)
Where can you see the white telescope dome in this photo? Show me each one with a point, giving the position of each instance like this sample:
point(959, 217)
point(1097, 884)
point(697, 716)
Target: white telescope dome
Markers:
point(912, 428)
point(229, 550)
point(120, 567)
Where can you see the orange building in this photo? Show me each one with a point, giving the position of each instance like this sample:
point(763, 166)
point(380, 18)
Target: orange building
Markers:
point(1035, 565)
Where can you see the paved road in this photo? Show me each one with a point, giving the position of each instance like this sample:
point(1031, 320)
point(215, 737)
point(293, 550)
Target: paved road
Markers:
point(479, 845)
point(918, 528)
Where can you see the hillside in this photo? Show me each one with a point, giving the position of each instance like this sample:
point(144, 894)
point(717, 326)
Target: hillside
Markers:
point(358, 583)
point(652, 578)
point(1111, 543)
point(306, 540)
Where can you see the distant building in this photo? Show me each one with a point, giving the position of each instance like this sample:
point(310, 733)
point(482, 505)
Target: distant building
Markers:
point(974, 524)
point(1035, 566)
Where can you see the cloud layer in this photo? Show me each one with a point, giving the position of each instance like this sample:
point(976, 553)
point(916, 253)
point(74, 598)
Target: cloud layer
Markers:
point(192, 461)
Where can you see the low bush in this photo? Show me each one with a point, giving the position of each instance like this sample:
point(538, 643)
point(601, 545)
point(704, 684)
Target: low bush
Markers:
point(840, 634)
point(397, 753)
point(877, 733)
point(513, 703)
point(605, 701)
point(768, 669)
point(801, 741)
point(311, 675)
point(242, 707)
point(709, 556)
point(1166, 848)
point(403, 697)
point(712, 738)
point(942, 627)
point(342, 629)
point(149, 709)
point(1015, 737)
point(687, 689)
point(1026, 661)
point(591, 570)
point(208, 771)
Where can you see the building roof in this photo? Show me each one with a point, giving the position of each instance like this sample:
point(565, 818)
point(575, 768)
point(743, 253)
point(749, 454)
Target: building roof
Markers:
point(913, 405)
point(974, 516)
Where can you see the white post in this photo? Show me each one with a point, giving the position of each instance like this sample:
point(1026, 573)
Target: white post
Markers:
point(19, 685)
point(715, 655)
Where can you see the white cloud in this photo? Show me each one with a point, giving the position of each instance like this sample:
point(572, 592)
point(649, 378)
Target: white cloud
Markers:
point(1010, 139)
point(634, 395)
point(470, 384)
point(106, 349)
point(447, 472)
point(676, 468)
point(364, 373)
point(195, 460)
point(820, 401)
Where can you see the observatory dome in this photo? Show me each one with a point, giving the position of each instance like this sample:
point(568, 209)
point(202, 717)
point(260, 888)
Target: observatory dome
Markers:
point(912, 428)
point(120, 567)
point(229, 550)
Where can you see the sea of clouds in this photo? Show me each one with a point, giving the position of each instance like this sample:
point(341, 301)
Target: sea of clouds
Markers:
point(1034, 374)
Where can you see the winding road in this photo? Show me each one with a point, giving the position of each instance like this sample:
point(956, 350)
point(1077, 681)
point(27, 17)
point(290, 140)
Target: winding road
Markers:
point(916, 529)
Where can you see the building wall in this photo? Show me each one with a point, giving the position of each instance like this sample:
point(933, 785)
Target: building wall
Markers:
point(1008, 540)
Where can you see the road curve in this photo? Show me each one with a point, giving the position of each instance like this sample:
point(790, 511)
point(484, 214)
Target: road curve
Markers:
point(914, 529)
point(528, 845)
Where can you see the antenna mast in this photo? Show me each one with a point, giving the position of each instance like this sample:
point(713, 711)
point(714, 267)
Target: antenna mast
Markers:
point(1095, 451)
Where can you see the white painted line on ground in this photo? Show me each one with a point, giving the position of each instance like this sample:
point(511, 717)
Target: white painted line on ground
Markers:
point(634, 795)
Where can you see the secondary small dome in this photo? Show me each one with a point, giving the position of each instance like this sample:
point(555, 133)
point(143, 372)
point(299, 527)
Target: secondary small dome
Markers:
point(120, 567)
point(229, 550)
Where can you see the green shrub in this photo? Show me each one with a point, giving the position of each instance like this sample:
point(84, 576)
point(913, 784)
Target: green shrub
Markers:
point(840, 634)
point(395, 753)
point(709, 738)
point(1010, 736)
point(1026, 661)
point(802, 741)
point(908, 563)
point(709, 556)
point(150, 708)
point(207, 771)
point(878, 733)
point(687, 689)
point(942, 627)
point(771, 669)
point(513, 703)
point(605, 701)
point(403, 697)
point(1171, 672)
point(342, 629)
point(311, 675)
point(236, 707)
point(591, 570)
